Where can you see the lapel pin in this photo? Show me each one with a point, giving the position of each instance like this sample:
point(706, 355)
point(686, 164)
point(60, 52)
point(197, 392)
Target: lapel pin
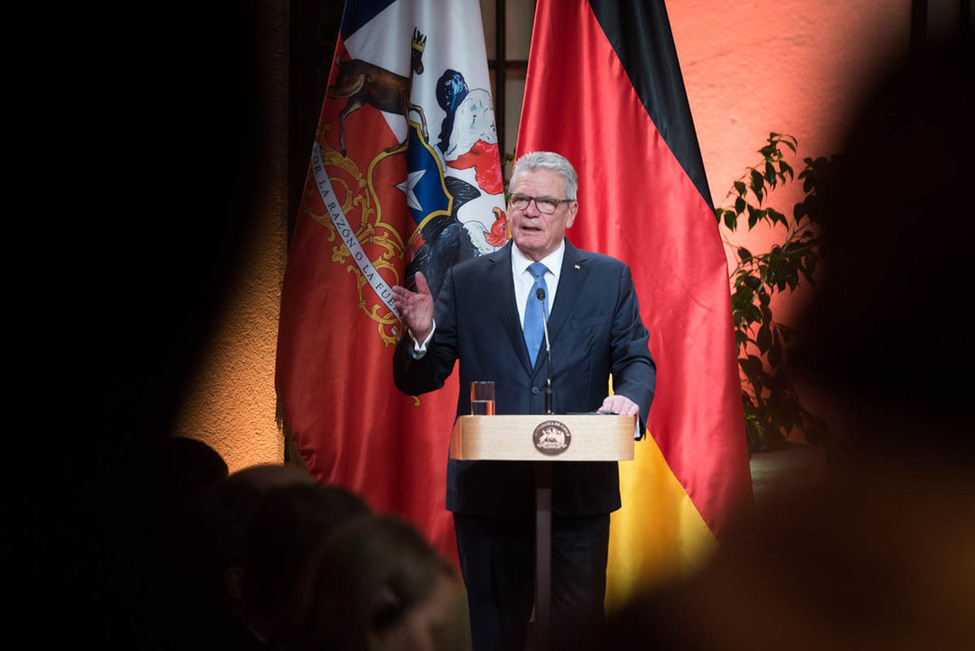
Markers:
point(578, 267)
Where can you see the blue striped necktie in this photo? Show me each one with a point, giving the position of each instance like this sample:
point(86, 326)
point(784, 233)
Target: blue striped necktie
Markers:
point(533, 327)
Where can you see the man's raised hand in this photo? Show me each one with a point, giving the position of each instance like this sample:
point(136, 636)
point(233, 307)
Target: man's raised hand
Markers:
point(415, 308)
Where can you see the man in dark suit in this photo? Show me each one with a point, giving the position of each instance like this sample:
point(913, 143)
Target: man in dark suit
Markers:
point(482, 317)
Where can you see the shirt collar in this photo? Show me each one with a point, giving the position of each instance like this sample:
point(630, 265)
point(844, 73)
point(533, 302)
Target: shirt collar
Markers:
point(553, 261)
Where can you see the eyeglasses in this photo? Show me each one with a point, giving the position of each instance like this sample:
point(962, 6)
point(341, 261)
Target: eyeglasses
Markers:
point(544, 205)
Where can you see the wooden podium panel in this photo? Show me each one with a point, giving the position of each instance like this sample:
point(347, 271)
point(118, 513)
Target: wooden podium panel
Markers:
point(540, 437)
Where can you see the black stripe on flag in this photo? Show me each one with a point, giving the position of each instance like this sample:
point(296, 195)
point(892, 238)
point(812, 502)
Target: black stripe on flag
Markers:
point(639, 31)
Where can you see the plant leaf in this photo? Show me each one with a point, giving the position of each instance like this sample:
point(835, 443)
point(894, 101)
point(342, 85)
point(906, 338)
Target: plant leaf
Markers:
point(785, 168)
point(757, 185)
point(764, 339)
point(756, 215)
point(730, 219)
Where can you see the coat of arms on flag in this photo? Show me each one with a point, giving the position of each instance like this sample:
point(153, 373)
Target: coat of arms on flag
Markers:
point(386, 190)
point(405, 176)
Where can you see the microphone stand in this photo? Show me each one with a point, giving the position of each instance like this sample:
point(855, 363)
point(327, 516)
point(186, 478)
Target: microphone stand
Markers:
point(543, 517)
point(548, 352)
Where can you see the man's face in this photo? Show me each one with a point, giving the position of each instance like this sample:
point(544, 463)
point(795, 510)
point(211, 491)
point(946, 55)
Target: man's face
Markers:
point(537, 234)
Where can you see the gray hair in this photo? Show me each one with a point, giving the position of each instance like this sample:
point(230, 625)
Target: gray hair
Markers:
point(547, 160)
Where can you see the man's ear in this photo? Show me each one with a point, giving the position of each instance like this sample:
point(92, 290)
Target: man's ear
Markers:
point(573, 209)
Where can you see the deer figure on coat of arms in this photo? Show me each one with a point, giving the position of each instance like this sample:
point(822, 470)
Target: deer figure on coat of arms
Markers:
point(361, 83)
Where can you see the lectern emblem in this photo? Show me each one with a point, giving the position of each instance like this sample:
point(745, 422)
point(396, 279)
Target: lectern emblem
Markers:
point(552, 437)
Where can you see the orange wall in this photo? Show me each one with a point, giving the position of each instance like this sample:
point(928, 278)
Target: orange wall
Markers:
point(231, 405)
point(790, 66)
point(793, 66)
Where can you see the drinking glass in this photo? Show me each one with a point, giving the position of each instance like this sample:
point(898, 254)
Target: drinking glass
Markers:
point(482, 398)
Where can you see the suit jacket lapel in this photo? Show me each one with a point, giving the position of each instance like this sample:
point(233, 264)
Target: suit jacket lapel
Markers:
point(571, 279)
point(502, 286)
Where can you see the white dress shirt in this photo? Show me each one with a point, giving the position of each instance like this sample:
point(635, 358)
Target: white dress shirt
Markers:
point(523, 285)
point(524, 280)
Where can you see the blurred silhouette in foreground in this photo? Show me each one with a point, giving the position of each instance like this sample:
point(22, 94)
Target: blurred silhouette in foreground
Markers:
point(239, 548)
point(881, 553)
point(189, 468)
point(290, 525)
point(375, 584)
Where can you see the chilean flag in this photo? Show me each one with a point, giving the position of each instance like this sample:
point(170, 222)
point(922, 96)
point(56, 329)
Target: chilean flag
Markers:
point(404, 175)
point(604, 89)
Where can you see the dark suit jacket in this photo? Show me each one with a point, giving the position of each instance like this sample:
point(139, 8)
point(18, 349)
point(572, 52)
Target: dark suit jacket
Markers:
point(595, 330)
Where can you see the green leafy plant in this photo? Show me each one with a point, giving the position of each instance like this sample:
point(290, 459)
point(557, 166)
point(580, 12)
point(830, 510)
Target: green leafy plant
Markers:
point(772, 406)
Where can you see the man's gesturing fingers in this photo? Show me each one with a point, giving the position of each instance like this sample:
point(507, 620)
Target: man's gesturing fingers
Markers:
point(415, 308)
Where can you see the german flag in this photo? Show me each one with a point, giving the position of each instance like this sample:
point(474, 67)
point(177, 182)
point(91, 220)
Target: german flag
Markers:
point(604, 89)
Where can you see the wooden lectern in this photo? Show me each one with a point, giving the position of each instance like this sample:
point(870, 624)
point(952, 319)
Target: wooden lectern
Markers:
point(543, 438)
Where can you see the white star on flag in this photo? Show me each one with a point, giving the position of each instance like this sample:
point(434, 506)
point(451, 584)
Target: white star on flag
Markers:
point(407, 188)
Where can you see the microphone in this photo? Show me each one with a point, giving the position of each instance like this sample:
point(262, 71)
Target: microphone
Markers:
point(540, 295)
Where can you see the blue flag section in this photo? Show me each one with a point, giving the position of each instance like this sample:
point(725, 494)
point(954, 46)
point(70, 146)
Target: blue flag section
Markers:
point(425, 188)
point(358, 14)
